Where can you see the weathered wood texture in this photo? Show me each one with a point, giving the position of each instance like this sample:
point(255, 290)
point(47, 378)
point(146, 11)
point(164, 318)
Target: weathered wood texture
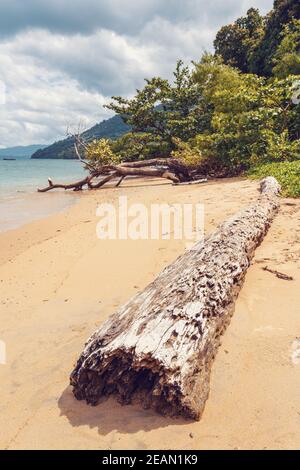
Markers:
point(158, 349)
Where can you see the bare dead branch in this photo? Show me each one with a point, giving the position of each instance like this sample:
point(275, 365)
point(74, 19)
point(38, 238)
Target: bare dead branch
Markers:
point(77, 186)
point(278, 274)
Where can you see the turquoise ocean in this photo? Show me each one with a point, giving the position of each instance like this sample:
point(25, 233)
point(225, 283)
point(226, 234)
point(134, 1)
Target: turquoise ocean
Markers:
point(19, 179)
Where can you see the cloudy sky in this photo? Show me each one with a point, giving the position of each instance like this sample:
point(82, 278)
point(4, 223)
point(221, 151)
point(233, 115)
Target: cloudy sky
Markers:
point(61, 60)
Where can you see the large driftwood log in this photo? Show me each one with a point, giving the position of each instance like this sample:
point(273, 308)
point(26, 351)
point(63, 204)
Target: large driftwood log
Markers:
point(158, 349)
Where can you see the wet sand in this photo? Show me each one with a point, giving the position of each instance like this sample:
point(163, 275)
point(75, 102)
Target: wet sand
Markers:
point(19, 209)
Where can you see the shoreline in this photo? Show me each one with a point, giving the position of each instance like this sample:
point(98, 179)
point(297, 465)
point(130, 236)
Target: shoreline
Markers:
point(59, 282)
point(19, 201)
point(23, 208)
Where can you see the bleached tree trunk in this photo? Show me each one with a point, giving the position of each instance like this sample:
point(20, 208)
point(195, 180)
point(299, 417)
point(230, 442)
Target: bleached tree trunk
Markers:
point(158, 349)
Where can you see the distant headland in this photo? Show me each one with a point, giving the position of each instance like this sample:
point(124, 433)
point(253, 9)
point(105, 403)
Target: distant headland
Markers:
point(64, 149)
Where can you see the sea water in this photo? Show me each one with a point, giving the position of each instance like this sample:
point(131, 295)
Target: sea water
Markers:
point(19, 179)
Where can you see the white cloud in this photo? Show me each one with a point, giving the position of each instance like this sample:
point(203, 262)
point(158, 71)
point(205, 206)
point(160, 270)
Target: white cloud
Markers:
point(61, 62)
point(41, 103)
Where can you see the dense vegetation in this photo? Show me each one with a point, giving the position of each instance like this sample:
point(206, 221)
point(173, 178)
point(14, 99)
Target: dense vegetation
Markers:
point(230, 112)
point(226, 114)
point(286, 173)
point(255, 44)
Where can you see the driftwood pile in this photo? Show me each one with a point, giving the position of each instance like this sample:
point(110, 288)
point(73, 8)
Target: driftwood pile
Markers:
point(158, 349)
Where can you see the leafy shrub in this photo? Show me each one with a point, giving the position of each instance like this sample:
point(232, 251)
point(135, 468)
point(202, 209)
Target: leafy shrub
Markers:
point(286, 173)
point(188, 155)
point(139, 146)
point(100, 152)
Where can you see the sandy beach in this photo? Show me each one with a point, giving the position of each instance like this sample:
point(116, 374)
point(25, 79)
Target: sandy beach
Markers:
point(58, 283)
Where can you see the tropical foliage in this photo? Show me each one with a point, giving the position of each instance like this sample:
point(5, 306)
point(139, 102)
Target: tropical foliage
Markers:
point(163, 109)
point(251, 42)
point(287, 56)
point(231, 111)
point(100, 151)
point(287, 173)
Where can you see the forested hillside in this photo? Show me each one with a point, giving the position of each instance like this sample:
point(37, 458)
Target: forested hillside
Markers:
point(64, 149)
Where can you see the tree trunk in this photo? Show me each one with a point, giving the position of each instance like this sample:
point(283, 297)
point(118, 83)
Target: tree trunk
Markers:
point(158, 349)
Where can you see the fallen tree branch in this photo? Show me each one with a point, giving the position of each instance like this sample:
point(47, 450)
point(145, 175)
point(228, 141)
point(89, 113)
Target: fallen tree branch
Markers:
point(120, 181)
point(168, 168)
point(202, 180)
point(158, 349)
point(121, 171)
point(77, 143)
point(76, 186)
point(146, 171)
point(278, 274)
point(103, 181)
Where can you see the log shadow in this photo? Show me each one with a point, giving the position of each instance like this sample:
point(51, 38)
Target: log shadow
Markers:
point(110, 416)
point(139, 183)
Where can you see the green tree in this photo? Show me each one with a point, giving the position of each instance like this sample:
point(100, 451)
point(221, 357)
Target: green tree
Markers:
point(212, 75)
point(140, 146)
point(251, 42)
point(100, 152)
point(163, 110)
point(251, 120)
point(282, 14)
point(287, 56)
point(236, 42)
